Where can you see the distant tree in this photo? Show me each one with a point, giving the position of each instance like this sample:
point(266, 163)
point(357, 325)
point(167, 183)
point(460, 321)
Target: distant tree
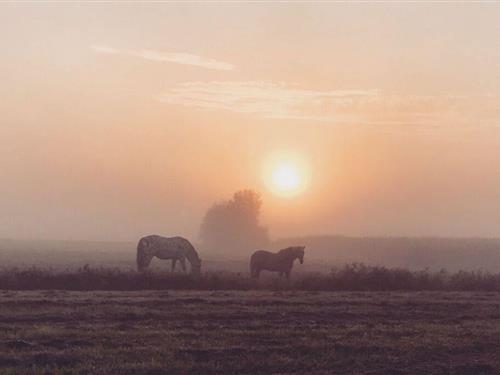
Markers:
point(233, 225)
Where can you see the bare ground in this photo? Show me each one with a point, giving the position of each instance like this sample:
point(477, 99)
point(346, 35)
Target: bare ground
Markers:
point(250, 332)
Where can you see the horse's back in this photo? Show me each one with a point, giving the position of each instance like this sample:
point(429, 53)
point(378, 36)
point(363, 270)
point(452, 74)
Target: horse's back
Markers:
point(164, 247)
point(261, 258)
point(169, 241)
point(150, 239)
point(266, 260)
point(259, 254)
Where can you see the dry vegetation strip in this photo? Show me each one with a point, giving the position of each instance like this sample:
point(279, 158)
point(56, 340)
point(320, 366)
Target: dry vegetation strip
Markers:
point(250, 332)
point(354, 277)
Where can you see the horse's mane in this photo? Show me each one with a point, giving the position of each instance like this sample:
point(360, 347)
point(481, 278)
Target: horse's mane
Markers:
point(289, 251)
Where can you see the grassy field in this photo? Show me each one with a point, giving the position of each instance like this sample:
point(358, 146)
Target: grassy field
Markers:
point(250, 332)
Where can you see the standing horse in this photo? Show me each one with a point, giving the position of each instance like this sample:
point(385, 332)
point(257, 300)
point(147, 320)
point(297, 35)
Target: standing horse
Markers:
point(174, 248)
point(281, 262)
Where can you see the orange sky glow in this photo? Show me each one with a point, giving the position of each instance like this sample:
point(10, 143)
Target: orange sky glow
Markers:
point(124, 120)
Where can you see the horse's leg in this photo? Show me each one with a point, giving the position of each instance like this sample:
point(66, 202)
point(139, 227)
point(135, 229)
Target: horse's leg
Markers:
point(173, 264)
point(254, 271)
point(287, 274)
point(183, 263)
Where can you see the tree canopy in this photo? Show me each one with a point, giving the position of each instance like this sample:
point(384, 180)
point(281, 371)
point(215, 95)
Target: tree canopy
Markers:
point(233, 225)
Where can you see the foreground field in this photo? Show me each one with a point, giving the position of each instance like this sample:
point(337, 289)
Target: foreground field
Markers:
point(250, 332)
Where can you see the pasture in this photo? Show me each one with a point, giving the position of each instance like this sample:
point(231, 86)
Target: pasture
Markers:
point(59, 316)
point(249, 332)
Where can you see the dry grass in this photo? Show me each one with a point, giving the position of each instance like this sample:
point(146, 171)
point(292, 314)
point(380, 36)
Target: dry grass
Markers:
point(355, 277)
point(249, 332)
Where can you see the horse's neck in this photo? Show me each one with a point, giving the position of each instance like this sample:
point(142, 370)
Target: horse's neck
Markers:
point(166, 252)
point(191, 255)
point(287, 257)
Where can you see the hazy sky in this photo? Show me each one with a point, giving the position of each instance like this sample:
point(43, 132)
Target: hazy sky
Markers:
point(124, 120)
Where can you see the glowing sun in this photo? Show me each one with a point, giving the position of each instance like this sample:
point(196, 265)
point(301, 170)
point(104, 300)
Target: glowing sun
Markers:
point(286, 176)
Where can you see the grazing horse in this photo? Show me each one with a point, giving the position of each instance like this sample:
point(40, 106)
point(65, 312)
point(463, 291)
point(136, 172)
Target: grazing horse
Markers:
point(281, 262)
point(175, 248)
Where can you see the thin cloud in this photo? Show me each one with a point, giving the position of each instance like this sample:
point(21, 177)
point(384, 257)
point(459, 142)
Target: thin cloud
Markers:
point(173, 57)
point(283, 101)
point(273, 100)
point(104, 49)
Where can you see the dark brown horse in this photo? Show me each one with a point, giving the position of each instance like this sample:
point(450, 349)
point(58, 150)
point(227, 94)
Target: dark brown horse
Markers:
point(281, 262)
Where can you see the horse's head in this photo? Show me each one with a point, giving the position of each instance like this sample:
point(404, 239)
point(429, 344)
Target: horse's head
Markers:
point(194, 260)
point(196, 267)
point(143, 257)
point(300, 253)
point(143, 261)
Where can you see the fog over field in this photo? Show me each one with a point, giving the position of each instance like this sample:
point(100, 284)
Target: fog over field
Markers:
point(323, 253)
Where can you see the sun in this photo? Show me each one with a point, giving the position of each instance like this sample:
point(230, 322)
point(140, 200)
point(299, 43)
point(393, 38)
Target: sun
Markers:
point(286, 175)
point(286, 178)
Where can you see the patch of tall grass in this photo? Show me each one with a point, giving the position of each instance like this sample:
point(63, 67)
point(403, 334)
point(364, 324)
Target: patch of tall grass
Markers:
point(354, 277)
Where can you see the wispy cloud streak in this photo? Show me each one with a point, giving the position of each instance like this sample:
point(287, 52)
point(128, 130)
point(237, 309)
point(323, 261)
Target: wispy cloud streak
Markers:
point(268, 99)
point(279, 100)
point(172, 57)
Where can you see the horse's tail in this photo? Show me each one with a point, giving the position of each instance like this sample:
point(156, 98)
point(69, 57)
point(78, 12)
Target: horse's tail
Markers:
point(141, 247)
point(254, 264)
